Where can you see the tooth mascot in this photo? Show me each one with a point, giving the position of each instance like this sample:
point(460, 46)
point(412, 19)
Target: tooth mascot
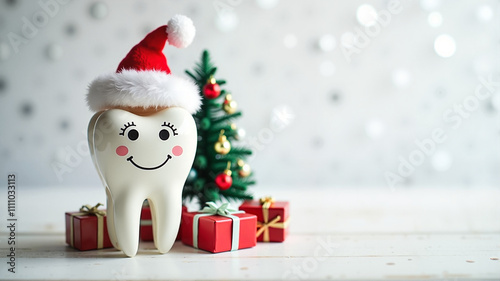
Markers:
point(143, 137)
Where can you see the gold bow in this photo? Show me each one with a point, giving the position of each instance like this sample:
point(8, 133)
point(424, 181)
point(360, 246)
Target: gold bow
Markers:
point(266, 201)
point(263, 227)
point(86, 210)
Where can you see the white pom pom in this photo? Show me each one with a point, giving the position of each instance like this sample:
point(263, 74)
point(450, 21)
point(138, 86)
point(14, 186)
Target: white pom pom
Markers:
point(181, 31)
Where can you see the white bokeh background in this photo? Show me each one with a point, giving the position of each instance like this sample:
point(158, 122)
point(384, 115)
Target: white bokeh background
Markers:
point(349, 119)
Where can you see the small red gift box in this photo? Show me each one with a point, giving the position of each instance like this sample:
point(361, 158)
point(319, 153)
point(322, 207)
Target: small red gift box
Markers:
point(146, 233)
point(216, 233)
point(87, 229)
point(272, 218)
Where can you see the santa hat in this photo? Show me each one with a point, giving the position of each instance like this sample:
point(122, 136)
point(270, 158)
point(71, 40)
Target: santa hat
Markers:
point(143, 78)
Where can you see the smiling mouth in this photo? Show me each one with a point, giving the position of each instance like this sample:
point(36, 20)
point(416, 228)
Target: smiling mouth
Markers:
point(145, 168)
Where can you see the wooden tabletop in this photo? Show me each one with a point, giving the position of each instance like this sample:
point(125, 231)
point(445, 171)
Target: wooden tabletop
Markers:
point(340, 234)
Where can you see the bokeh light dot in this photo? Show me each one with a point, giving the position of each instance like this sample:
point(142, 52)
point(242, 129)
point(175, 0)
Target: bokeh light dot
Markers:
point(430, 5)
point(64, 124)
point(54, 52)
point(70, 29)
point(26, 109)
point(98, 10)
point(441, 161)
point(11, 2)
point(484, 13)
point(435, 19)
point(366, 15)
point(267, 4)
point(290, 41)
point(282, 116)
point(335, 96)
point(374, 128)
point(241, 133)
point(495, 102)
point(327, 43)
point(401, 78)
point(445, 46)
point(227, 21)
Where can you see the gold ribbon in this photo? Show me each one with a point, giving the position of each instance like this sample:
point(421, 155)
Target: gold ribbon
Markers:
point(266, 200)
point(86, 210)
point(263, 227)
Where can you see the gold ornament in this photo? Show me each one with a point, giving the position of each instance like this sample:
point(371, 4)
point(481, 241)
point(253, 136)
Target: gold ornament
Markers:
point(211, 80)
point(222, 146)
point(227, 171)
point(230, 106)
point(244, 171)
point(243, 168)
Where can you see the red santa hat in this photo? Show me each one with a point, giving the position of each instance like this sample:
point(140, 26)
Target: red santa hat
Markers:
point(143, 78)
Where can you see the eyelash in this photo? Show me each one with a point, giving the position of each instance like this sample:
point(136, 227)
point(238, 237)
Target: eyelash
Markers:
point(171, 126)
point(125, 128)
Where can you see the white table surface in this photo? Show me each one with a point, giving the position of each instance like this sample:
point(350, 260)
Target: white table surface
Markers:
point(336, 233)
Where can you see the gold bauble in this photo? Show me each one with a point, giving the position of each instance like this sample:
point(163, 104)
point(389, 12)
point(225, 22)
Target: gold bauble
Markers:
point(244, 171)
point(222, 146)
point(211, 80)
point(230, 107)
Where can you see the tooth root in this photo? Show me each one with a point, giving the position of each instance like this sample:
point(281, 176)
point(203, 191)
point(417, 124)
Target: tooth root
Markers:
point(126, 219)
point(110, 219)
point(166, 211)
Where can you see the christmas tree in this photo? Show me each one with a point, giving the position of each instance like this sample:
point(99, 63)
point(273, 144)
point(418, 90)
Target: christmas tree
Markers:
point(219, 170)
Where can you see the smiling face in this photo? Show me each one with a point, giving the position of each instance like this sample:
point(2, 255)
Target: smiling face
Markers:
point(167, 131)
point(134, 144)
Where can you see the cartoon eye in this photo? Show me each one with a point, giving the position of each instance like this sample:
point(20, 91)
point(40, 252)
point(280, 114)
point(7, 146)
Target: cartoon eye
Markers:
point(165, 134)
point(132, 134)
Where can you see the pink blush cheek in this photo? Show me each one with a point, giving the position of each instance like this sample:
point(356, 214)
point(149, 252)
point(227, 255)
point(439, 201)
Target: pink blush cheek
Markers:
point(177, 150)
point(122, 150)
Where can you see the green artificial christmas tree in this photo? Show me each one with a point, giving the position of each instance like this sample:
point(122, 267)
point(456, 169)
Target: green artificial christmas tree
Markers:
point(219, 170)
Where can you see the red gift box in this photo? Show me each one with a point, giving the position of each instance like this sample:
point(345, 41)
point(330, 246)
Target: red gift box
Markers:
point(215, 232)
point(146, 233)
point(273, 225)
point(87, 229)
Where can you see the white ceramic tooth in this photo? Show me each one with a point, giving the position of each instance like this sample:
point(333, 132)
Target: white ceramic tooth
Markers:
point(110, 219)
point(126, 218)
point(91, 136)
point(165, 228)
point(146, 164)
